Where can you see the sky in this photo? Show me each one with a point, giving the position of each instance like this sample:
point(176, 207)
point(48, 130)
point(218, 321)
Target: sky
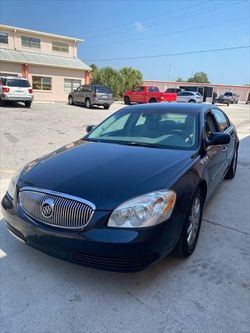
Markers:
point(124, 29)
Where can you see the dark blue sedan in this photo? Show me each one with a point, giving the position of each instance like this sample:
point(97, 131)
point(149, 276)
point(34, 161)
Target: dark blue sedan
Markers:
point(128, 193)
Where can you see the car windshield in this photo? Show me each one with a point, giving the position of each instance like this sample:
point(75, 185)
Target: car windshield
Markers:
point(228, 94)
point(103, 90)
point(17, 83)
point(159, 129)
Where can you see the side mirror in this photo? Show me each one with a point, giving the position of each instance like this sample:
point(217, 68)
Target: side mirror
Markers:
point(89, 128)
point(218, 139)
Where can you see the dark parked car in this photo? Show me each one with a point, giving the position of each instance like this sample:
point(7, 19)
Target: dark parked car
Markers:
point(129, 192)
point(90, 95)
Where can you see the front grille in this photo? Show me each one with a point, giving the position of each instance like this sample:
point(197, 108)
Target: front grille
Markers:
point(113, 263)
point(56, 209)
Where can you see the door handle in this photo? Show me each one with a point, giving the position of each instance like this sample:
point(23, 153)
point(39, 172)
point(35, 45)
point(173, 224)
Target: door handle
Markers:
point(224, 149)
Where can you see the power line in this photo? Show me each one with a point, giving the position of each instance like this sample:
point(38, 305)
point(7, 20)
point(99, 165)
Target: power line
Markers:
point(188, 13)
point(171, 54)
point(115, 27)
point(176, 32)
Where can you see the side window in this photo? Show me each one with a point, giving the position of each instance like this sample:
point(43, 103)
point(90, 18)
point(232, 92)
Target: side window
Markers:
point(138, 89)
point(221, 119)
point(153, 89)
point(79, 89)
point(87, 89)
point(209, 125)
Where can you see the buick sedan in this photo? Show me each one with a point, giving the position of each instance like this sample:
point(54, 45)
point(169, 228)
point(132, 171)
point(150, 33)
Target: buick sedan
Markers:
point(129, 192)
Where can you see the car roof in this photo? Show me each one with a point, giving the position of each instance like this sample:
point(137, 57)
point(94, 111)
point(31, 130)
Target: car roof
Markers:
point(12, 77)
point(176, 107)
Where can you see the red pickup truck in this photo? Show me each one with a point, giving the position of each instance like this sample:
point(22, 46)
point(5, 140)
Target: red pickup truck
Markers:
point(147, 94)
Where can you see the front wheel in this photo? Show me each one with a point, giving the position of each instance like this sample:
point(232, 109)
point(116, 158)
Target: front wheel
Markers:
point(152, 100)
point(106, 106)
point(191, 228)
point(192, 101)
point(27, 104)
point(233, 166)
point(71, 102)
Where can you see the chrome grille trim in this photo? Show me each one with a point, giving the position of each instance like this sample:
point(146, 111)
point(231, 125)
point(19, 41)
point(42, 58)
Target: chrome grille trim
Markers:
point(69, 212)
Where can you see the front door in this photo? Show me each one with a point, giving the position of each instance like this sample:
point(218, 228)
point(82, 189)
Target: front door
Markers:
point(215, 157)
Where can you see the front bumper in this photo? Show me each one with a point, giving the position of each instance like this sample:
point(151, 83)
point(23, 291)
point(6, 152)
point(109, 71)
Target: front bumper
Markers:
point(115, 249)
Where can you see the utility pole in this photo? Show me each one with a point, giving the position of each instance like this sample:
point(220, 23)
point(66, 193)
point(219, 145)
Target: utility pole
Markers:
point(169, 71)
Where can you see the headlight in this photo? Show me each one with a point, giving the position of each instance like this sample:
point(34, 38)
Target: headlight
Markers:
point(12, 184)
point(144, 211)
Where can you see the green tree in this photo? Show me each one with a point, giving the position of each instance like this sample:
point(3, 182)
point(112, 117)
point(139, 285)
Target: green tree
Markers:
point(199, 77)
point(179, 79)
point(118, 81)
point(130, 78)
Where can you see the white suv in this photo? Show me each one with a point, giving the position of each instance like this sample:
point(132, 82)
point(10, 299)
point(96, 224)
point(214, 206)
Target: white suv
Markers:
point(189, 97)
point(15, 89)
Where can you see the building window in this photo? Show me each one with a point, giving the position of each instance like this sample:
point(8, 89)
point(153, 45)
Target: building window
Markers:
point(41, 83)
point(3, 38)
point(70, 85)
point(31, 42)
point(60, 47)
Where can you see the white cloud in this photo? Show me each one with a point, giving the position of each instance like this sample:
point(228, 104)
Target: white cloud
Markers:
point(140, 27)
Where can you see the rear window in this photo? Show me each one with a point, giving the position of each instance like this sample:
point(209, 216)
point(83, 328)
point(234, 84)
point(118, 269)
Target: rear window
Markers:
point(228, 94)
point(17, 83)
point(103, 89)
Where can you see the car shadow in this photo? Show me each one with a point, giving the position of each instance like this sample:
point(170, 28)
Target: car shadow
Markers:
point(13, 105)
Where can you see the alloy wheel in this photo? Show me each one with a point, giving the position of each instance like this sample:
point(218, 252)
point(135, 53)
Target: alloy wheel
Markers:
point(194, 221)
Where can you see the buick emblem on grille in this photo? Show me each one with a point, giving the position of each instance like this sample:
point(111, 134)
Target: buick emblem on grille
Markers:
point(48, 207)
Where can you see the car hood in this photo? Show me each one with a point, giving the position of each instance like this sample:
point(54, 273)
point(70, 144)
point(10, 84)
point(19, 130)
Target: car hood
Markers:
point(105, 173)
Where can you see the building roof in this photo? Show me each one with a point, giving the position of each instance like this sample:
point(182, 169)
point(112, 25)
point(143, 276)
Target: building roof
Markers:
point(35, 32)
point(42, 59)
point(196, 83)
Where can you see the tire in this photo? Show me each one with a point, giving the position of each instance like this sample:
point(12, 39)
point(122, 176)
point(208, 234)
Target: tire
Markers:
point(88, 103)
point(27, 104)
point(106, 106)
point(191, 101)
point(71, 102)
point(126, 100)
point(2, 103)
point(233, 166)
point(191, 228)
point(152, 100)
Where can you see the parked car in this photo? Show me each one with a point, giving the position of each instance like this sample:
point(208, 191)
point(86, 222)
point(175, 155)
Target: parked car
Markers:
point(15, 89)
point(147, 94)
point(129, 192)
point(228, 98)
point(92, 94)
point(173, 90)
point(189, 97)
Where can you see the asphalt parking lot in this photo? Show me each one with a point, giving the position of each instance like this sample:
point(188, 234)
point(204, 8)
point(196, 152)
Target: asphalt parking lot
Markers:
point(208, 292)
